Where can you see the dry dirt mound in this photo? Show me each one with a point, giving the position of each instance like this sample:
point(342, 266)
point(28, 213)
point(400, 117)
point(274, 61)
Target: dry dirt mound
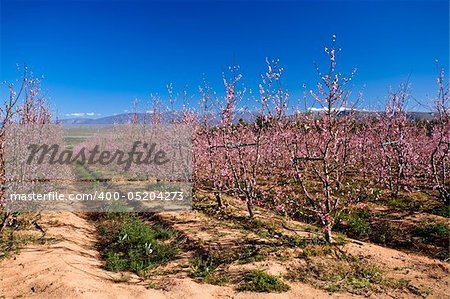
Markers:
point(70, 267)
point(211, 231)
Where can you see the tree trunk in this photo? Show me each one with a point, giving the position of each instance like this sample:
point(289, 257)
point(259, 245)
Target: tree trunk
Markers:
point(445, 195)
point(3, 211)
point(250, 209)
point(328, 236)
point(6, 216)
point(218, 199)
point(2, 169)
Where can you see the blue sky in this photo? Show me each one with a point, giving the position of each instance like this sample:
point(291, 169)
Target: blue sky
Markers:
point(98, 56)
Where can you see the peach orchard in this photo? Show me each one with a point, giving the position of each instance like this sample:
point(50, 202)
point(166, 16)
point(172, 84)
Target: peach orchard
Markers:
point(314, 163)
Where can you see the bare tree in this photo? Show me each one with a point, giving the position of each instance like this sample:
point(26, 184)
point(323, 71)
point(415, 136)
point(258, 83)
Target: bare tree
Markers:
point(440, 161)
point(322, 148)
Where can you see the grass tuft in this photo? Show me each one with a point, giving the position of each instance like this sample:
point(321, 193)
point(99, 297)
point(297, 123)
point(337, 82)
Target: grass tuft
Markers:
point(443, 211)
point(261, 281)
point(132, 245)
point(430, 232)
point(204, 268)
point(347, 274)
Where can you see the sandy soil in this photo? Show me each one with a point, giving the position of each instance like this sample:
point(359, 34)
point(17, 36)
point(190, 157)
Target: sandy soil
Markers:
point(69, 267)
point(423, 272)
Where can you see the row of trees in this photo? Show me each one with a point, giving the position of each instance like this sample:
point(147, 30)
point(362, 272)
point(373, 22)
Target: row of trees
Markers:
point(318, 163)
point(24, 108)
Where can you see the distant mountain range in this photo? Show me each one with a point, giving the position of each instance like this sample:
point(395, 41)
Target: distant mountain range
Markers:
point(168, 117)
point(113, 119)
point(125, 118)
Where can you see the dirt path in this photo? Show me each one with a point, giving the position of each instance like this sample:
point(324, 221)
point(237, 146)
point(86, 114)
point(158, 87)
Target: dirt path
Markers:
point(69, 267)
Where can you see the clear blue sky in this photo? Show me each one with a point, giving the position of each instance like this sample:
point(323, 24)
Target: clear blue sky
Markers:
point(97, 56)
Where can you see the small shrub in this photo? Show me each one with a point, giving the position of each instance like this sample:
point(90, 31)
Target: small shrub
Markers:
point(429, 232)
point(295, 241)
point(250, 254)
point(402, 202)
point(346, 274)
point(261, 281)
point(340, 239)
point(114, 262)
point(302, 242)
point(203, 266)
point(381, 232)
point(163, 233)
point(443, 211)
point(316, 251)
point(115, 211)
point(359, 282)
point(363, 213)
point(372, 196)
point(136, 246)
point(154, 286)
point(358, 226)
point(217, 279)
point(332, 288)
